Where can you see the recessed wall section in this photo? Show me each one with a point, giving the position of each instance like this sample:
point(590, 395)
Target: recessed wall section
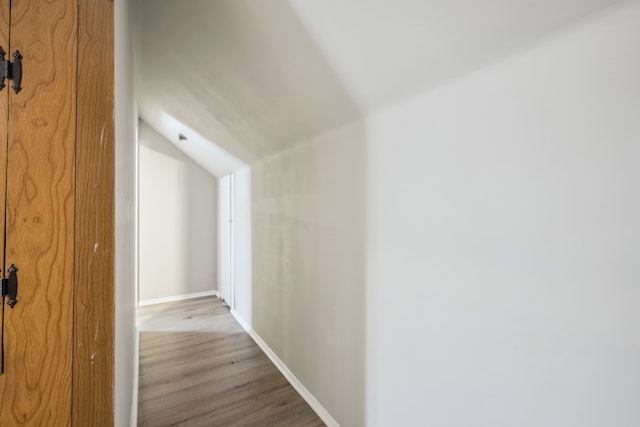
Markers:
point(178, 222)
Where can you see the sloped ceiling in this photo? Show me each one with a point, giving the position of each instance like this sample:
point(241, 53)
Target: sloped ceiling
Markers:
point(257, 76)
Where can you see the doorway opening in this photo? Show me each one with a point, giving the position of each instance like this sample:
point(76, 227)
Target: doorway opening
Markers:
point(178, 229)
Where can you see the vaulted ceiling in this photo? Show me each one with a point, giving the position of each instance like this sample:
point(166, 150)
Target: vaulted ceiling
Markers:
point(254, 77)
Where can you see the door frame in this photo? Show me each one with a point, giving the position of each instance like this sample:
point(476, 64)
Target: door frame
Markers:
point(225, 239)
point(94, 308)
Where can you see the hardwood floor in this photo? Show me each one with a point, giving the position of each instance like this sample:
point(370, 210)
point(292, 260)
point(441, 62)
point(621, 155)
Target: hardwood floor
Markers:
point(198, 367)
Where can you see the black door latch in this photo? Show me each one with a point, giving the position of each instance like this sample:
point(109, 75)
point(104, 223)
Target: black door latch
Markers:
point(10, 286)
point(11, 70)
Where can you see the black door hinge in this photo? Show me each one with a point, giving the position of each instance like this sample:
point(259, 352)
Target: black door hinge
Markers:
point(9, 286)
point(11, 70)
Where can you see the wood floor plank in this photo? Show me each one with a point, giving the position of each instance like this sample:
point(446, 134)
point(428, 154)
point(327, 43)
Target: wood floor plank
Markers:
point(198, 367)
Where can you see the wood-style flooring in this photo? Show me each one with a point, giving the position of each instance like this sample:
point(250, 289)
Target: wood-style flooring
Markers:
point(198, 367)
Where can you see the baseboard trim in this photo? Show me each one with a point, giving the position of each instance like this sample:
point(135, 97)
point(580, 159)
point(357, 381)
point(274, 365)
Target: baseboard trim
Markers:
point(136, 378)
point(295, 382)
point(241, 321)
point(179, 298)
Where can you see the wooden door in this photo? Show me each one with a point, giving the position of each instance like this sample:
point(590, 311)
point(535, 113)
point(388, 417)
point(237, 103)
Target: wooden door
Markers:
point(35, 387)
point(4, 39)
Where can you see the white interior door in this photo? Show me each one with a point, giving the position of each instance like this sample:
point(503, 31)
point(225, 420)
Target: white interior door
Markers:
point(225, 242)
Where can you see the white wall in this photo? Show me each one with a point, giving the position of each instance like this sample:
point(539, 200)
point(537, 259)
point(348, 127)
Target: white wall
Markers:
point(479, 240)
point(126, 120)
point(178, 221)
point(308, 260)
point(500, 251)
point(504, 238)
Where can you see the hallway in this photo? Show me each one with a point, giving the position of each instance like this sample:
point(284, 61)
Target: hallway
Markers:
point(439, 212)
point(198, 367)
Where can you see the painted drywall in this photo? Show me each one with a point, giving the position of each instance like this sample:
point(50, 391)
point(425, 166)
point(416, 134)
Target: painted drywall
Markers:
point(178, 221)
point(203, 151)
point(500, 223)
point(258, 77)
point(503, 240)
point(308, 298)
point(126, 121)
point(246, 67)
point(383, 51)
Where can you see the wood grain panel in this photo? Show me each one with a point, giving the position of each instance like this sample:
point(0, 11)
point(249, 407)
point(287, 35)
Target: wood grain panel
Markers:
point(4, 43)
point(93, 370)
point(40, 215)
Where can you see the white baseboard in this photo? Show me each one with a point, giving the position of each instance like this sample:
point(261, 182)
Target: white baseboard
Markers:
point(306, 394)
point(241, 321)
point(136, 377)
point(179, 298)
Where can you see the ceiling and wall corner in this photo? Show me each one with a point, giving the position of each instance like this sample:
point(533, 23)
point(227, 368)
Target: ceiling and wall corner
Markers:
point(255, 78)
point(215, 160)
